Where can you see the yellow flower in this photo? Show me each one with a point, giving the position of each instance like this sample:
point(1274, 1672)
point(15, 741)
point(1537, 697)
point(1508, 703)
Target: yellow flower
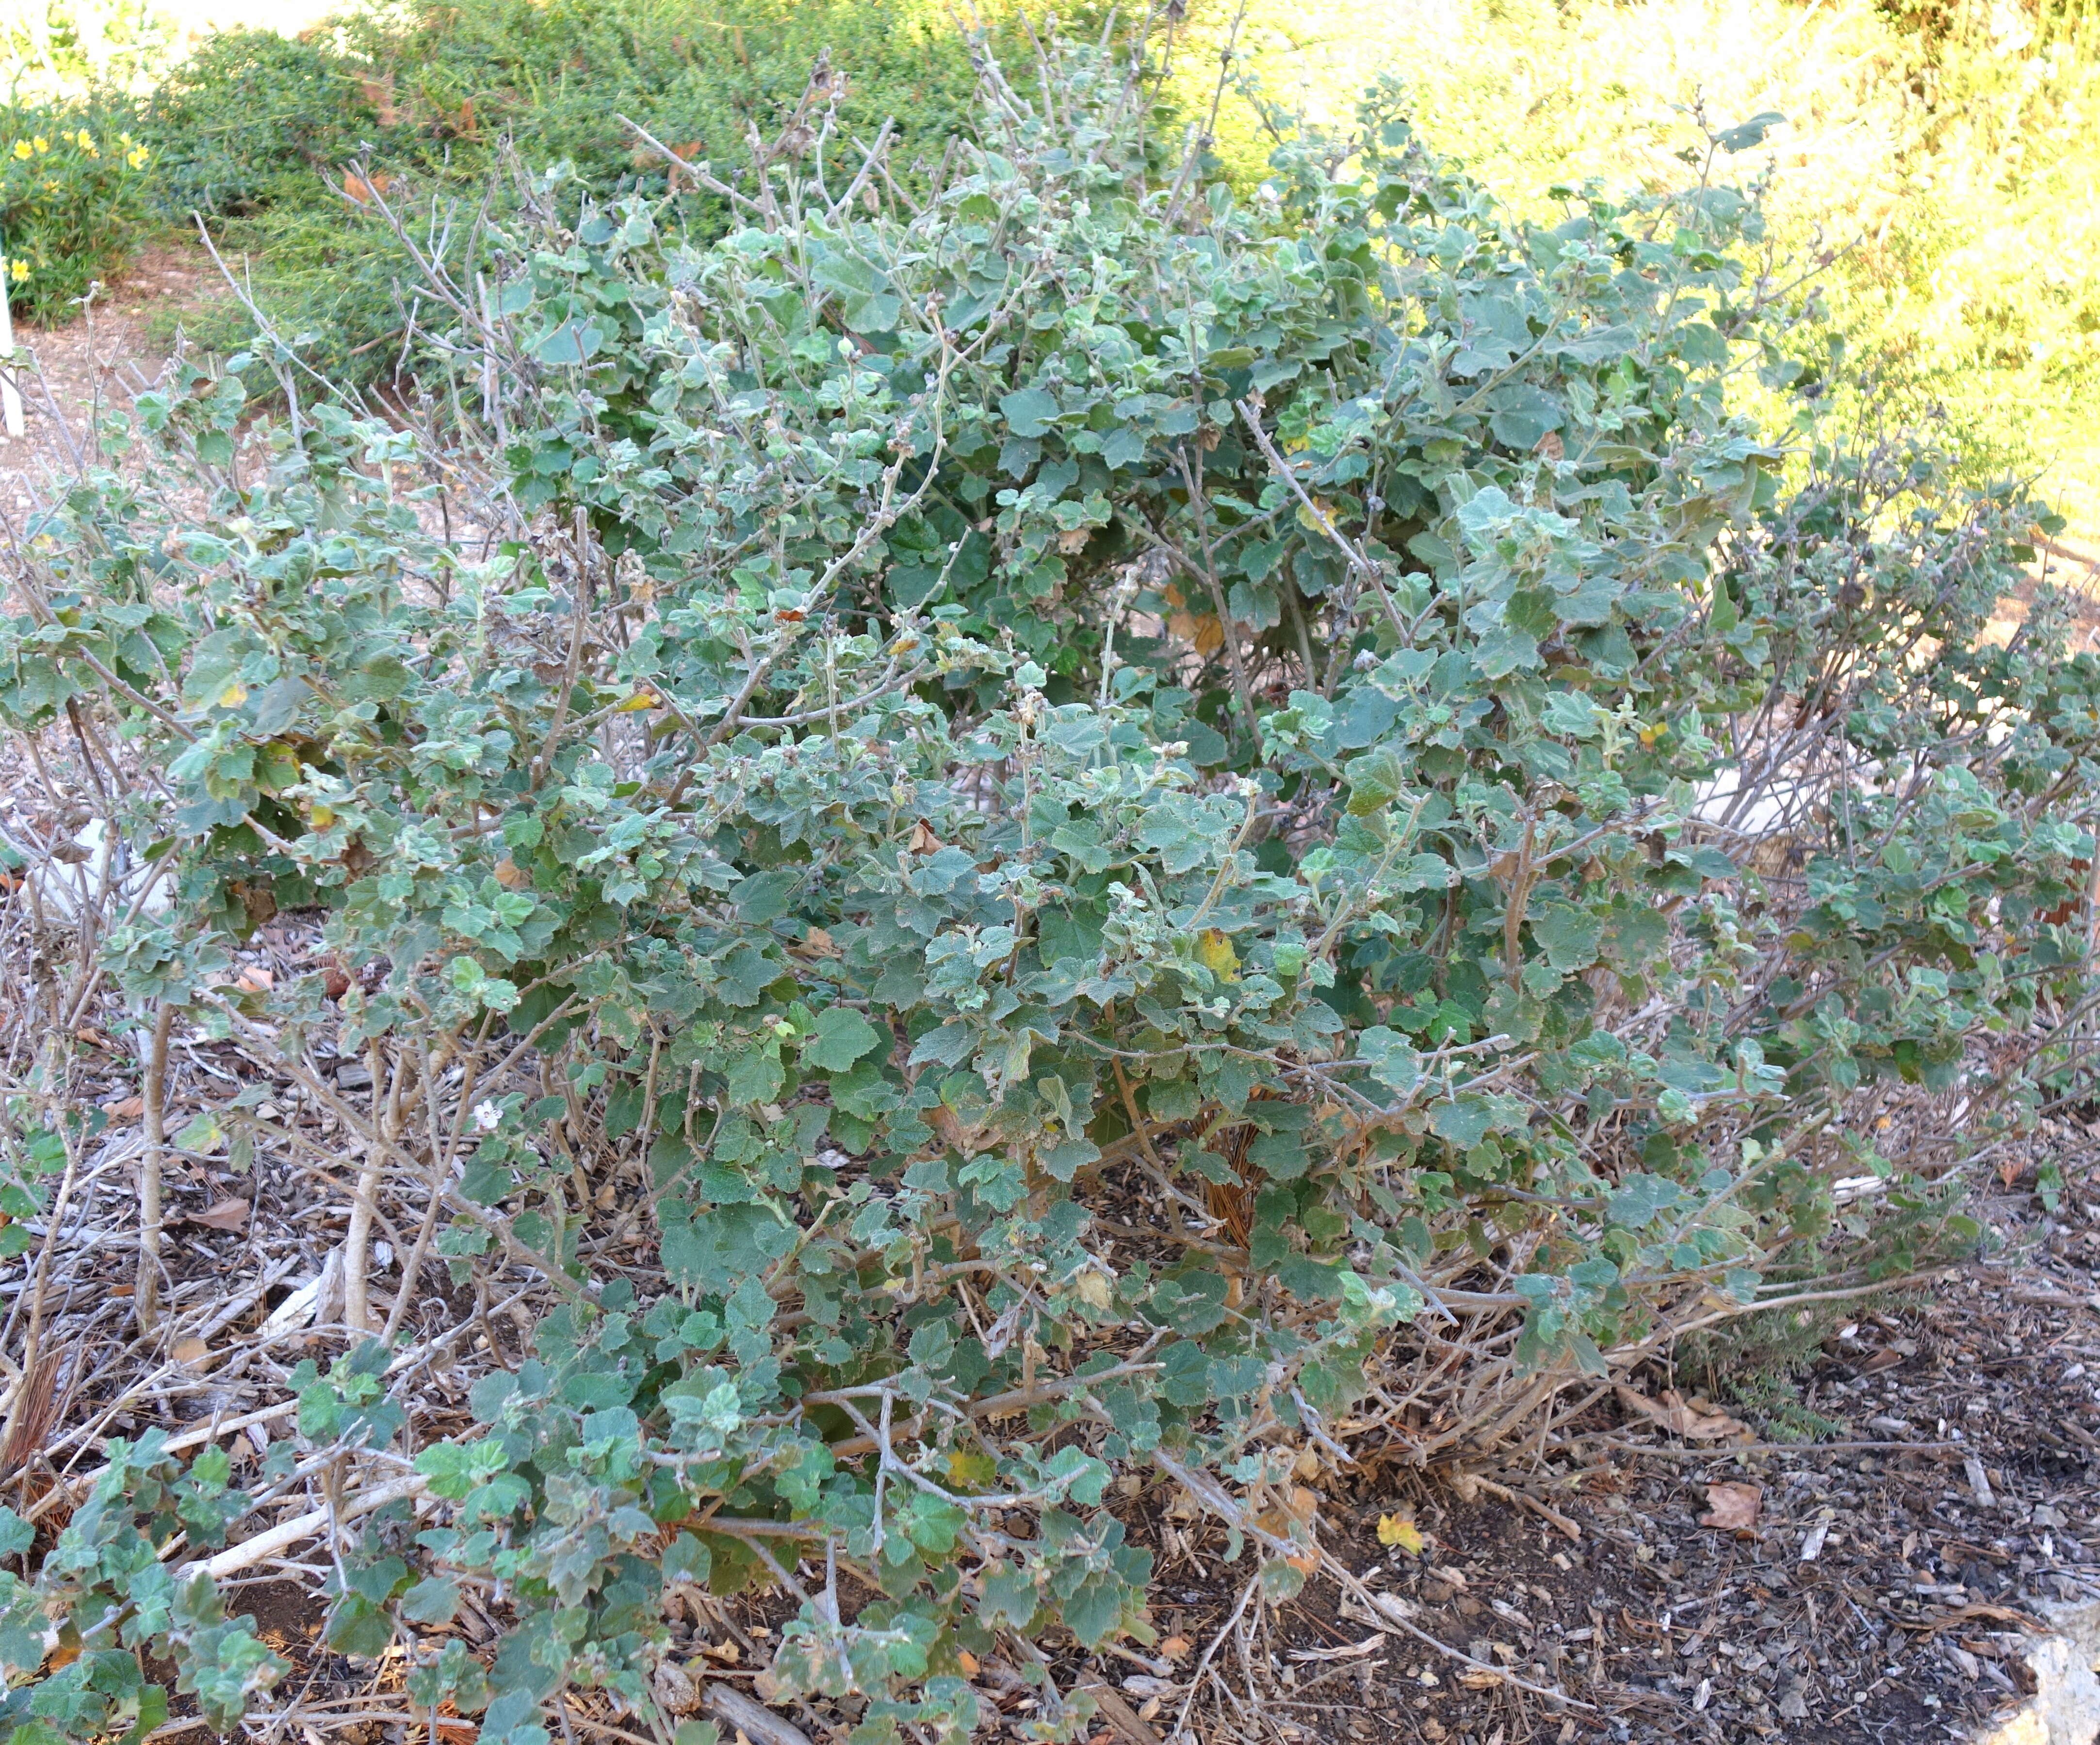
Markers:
point(23, 149)
point(19, 271)
point(41, 143)
point(136, 157)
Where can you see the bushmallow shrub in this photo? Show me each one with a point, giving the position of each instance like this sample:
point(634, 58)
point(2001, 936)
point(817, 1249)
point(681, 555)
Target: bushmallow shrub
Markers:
point(1086, 827)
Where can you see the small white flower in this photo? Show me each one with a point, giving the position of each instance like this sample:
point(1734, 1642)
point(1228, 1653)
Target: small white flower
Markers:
point(486, 1116)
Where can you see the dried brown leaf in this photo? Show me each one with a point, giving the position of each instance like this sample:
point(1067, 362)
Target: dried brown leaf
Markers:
point(1732, 1508)
point(222, 1214)
point(1694, 1421)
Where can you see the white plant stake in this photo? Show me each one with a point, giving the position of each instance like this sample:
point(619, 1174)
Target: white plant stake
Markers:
point(11, 396)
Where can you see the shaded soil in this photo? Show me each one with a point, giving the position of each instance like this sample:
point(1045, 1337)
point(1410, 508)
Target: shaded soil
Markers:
point(1882, 1593)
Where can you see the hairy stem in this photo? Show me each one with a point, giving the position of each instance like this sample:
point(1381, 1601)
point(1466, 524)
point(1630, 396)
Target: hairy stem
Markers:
point(146, 1290)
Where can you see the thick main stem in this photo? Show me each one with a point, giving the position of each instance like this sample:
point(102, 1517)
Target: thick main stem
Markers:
point(441, 1149)
point(146, 1288)
point(365, 1206)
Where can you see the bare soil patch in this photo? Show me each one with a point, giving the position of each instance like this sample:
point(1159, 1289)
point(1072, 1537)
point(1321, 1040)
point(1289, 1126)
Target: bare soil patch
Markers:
point(75, 372)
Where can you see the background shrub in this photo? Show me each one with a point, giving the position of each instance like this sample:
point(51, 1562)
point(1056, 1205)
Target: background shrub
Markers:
point(1064, 826)
point(73, 198)
point(1943, 152)
point(253, 120)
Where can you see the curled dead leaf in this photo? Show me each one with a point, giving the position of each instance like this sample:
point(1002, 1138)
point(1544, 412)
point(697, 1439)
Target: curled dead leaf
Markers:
point(1732, 1507)
point(676, 1691)
point(1094, 1290)
point(1294, 1519)
point(1693, 1420)
point(1201, 630)
point(953, 1131)
point(817, 943)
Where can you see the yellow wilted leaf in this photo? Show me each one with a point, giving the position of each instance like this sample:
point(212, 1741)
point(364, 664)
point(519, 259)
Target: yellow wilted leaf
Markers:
point(968, 1468)
point(233, 696)
point(641, 699)
point(1401, 1534)
point(1215, 952)
point(1094, 1290)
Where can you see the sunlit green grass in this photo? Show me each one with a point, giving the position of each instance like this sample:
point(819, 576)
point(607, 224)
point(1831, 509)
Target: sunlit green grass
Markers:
point(1958, 177)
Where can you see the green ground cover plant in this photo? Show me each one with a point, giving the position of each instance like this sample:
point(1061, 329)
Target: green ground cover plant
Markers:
point(271, 139)
point(288, 145)
point(1065, 829)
